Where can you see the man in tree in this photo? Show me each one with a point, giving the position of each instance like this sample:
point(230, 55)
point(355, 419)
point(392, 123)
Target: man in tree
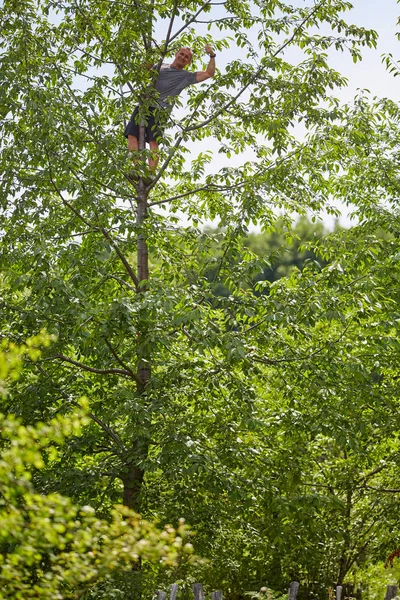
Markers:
point(171, 80)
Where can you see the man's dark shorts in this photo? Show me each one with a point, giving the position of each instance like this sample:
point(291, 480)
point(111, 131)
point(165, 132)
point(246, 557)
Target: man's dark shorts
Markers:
point(153, 131)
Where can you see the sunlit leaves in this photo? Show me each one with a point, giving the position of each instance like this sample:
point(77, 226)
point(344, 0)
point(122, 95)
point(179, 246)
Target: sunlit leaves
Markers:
point(270, 405)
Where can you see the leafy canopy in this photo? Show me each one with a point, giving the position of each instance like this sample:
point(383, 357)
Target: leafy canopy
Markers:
point(50, 547)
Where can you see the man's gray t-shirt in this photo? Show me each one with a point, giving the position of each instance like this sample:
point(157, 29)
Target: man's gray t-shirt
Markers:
point(171, 82)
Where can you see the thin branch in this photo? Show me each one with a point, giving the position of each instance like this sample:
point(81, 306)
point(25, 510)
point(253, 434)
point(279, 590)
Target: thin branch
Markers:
point(89, 77)
point(102, 229)
point(225, 188)
point(171, 24)
point(271, 361)
point(176, 145)
point(101, 449)
point(274, 361)
point(106, 489)
point(230, 18)
point(76, 363)
point(82, 111)
point(166, 162)
point(105, 45)
point(104, 232)
point(119, 359)
point(66, 203)
point(254, 326)
point(319, 485)
point(191, 20)
point(383, 490)
point(125, 283)
point(205, 188)
point(121, 257)
point(377, 470)
point(356, 553)
point(224, 255)
point(187, 334)
point(99, 422)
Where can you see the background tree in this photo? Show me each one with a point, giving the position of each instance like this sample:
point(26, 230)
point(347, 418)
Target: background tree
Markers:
point(279, 251)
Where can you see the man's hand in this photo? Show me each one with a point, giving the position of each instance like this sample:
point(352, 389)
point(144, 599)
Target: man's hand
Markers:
point(209, 49)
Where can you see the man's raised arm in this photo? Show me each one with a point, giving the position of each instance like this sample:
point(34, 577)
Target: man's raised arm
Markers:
point(209, 72)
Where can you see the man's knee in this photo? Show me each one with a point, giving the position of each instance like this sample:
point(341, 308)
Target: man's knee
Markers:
point(153, 145)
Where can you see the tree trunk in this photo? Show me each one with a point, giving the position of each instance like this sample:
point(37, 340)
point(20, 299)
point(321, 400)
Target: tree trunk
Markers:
point(132, 481)
point(144, 365)
point(133, 478)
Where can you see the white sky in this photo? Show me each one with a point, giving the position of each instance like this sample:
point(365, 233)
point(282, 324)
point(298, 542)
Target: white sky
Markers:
point(382, 16)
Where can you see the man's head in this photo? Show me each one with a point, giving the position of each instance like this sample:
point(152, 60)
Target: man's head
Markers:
point(182, 58)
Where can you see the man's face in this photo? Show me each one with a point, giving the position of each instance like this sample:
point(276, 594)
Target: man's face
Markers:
point(182, 58)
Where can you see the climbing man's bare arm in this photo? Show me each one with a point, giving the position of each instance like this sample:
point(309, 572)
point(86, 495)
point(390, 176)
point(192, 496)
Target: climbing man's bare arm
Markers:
point(210, 70)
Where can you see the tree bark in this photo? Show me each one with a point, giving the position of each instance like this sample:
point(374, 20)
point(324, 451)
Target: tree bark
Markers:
point(133, 478)
point(144, 366)
point(132, 481)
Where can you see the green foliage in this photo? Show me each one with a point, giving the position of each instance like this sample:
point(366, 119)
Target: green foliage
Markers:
point(51, 548)
point(11, 357)
point(264, 256)
point(268, 416)
point(374, 578)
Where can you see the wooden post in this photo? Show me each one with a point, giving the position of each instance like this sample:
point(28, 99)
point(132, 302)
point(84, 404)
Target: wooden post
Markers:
point(216, 596)
point(174, 591)
point(198, 591)
point(391, 592)
point(162, 596)
point(294, 587)
point(339, 590)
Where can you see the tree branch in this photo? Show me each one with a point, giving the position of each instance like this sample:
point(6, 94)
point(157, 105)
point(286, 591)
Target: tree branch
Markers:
point(383, 490)
point(190, 20)
point(215, 188)
point(103, 231)
point(119, 359)
point(63, 200)
point(125, 283)
point(205, 188)
point(105, 45)
point(122, 258)
point(99, 422)
point(76, 363)
point(176, 145)
point(171, 23)
point(377, 470)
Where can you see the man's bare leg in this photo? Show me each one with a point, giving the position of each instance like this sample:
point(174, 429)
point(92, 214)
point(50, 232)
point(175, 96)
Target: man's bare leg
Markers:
point(154, 155)
point(133, 143)
point(133, 146)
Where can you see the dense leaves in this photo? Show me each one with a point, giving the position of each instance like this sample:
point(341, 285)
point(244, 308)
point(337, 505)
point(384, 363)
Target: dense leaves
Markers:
point(268, 416)
point(51, 548)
